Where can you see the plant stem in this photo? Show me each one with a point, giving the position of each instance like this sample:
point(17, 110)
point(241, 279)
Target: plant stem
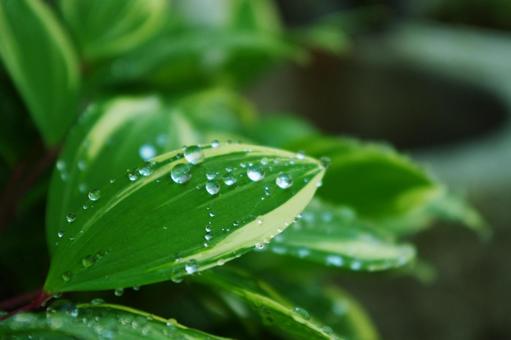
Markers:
point(32, 300)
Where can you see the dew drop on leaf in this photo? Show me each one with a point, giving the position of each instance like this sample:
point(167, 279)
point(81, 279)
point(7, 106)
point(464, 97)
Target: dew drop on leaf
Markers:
point(215, 144)
point(255, 173)
point(302, 312)
point(191, 267)
point(94, 195)
point(119, 292)
point(212, 187)
point(229, 180)
point(66, 277)
point(181, 173)
point(145, 171)
point(147, 151)
point(70, 218)
point(60, 234)
point(284, 181)
point(132, 176)
point(88, 261)
point(193, 154)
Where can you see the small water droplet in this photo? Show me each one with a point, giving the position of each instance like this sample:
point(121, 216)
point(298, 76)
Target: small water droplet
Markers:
point(284, 181)
point(60, 234)
point(97, 301)
point(300, 155)
point(119, 292)
point(259, 246)
point(145, 171)
point(211, 175)
point(191, 267)
point(255, 173)
point(334, 260)
point(229, 180)
point(208, 236)
point(88, 261)
point(302, 312)
point(212, 187)
point(132, 176)
point(94, 195)
point(146, 152)
point(215, 144)
point(61, 165)
point(70, 218)
point(66, 277)
point(181, 173)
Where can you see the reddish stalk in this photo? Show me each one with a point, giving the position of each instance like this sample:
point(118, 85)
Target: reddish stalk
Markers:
point(35, 300)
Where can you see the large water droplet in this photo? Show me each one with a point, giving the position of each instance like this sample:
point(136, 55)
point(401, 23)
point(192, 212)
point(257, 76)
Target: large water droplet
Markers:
point(255, 173)
point(212, 187)
point(94, 195)
point(146, 152)
point(284, 181)
point(193, 154)
point(181, 173)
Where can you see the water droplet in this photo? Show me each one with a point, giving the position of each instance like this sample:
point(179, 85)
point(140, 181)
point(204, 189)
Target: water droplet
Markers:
point(145, 171)
point(208, 236)
point(284, 181)
point(66, 277)
point(259, 246)
point(255, 173)
point(94, 195)
point(191, 267)
point(211, 175)
point(215, 144)
point(181, 173)
point(325, 161)
point(259, 221)
point(82, 165)
point(88, 261)
point(132, 176)
point(146, 152)
point(303, 252)
point(300, 155)
point(97, 301)
point(334, 260)
point(302, 312)
point(193, 154)
point(119, 292)
point(61, 165)
point(356, 265)
point(60, 234)
point(70, 218)
point(212, 187)
point(229, 180)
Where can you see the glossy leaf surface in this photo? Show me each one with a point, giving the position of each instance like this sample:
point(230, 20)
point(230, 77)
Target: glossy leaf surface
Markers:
point(333, 236)
point(277, 313)
point(374, 180)
point(176, 218)
point(101, 321)
point(108, 28)
point(117, 135)
point(40, 59)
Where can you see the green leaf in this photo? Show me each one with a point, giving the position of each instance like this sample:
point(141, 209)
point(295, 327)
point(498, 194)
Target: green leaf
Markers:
point(335, 237)
point(277, 313)
point(110, 28)
point(151, 229)
point(42, 63)
point(374, 180)
point(95, 321)
point(280, 130)
point(113, 135)
point(333, 306)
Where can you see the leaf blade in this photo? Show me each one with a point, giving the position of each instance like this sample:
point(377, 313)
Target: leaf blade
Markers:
point(155, 217)
point(30, 36)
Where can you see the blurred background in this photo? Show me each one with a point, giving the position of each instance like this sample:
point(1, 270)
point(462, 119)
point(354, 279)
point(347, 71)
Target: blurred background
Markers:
point(433, 78)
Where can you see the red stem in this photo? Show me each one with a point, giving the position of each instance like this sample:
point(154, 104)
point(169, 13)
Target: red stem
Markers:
point(39, 299)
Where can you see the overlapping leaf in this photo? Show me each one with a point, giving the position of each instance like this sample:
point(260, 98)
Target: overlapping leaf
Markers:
point(100, 321)
point(333, 236)
point(42, 63)
point(375, 181)
point(108, 28)
point(168, 218)
point(224, 41)
point(116, 135)
point(277, 313)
